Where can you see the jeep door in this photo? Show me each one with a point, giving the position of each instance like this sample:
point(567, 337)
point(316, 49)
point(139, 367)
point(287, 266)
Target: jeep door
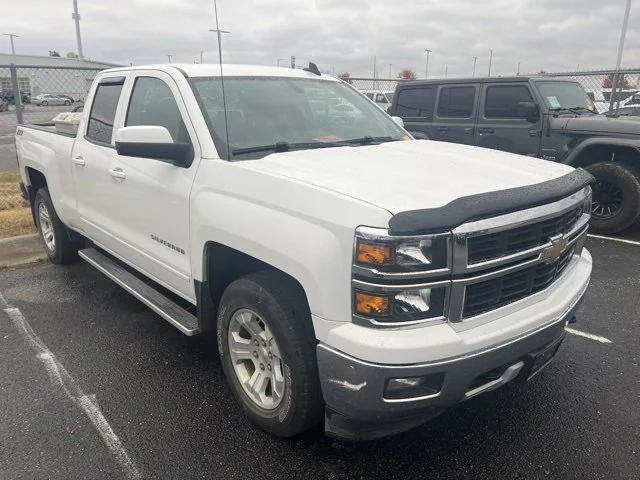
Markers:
point(455, 116)
point(503, 123)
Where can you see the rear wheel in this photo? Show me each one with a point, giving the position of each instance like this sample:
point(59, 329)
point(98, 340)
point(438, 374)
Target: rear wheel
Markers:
point(267, 349)
point(67, 102)
point(616, 197)
point(60, 248)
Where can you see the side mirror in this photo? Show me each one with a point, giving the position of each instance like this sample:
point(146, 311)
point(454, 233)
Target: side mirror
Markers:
point(155, 142)
point(529, 111)
point(398, 120)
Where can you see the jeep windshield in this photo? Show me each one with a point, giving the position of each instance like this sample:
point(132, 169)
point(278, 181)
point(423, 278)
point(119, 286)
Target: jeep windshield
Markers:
point(273, 114)
point(566, 96)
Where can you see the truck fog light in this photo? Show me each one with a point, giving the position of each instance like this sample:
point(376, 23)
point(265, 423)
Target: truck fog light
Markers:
point(414, 387)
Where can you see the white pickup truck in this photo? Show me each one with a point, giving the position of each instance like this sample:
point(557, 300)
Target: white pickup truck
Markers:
point(350, 272)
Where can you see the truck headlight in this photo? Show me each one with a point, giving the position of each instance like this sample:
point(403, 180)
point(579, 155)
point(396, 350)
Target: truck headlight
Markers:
point(376, 250)
point(401, 305)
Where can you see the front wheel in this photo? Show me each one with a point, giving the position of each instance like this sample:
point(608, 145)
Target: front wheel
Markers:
point(56, 239)
point(616, 197)
point(67, 103)
point(267, 349)
point(44, 103)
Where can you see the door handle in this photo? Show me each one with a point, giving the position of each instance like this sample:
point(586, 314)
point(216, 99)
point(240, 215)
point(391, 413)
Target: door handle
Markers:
point(485, 130)
point(443, 129)
point(78, 160)
point(117, 173)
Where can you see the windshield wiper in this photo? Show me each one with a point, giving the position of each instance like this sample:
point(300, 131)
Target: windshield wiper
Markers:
point(286, 146)
point(368, 140)
point(576, 110)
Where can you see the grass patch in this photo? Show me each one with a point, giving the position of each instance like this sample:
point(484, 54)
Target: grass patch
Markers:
point(16, 221)
point(15, 214)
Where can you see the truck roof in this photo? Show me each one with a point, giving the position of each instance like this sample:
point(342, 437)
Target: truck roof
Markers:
point(230, 69)
point(515, 79)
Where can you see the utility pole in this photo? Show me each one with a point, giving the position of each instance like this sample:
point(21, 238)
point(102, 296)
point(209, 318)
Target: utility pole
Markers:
point(169, 57)
point(426, 68)
point(490, 60)
point(623, 34)
point(374, 72)
point(518, 71)
point(13, 48)
point(475, 59)
point(219, 34)
point(76, 18)
point(446, 70)
point(201, 53)
point(390, 70)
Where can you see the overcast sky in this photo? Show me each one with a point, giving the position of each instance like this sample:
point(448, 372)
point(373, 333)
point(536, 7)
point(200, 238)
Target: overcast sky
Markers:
point(339, 35)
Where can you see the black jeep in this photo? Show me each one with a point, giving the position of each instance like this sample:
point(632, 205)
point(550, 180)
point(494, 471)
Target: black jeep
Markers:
point(544, 117)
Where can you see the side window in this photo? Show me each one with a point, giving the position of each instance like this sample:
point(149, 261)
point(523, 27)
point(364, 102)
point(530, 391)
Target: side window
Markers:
point(503, 101)
point(103, 111)
point(380, 98)
point(456, 102)
point(416, 102)
point(153, 103)
point(369, 95)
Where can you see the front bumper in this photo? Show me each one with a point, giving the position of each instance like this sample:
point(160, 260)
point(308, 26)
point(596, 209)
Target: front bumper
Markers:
point(354, 390)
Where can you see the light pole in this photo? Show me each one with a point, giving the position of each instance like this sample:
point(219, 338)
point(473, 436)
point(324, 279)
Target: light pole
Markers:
point(219, 33)
point(201, 53)
point(76, 18)
point(475, 59)
point(426, 68)
point(169, 57)
point(13, 48)
point(490, 60)
point(623, 34)
point(390, 70)
point(446, 70)
point(518, 71)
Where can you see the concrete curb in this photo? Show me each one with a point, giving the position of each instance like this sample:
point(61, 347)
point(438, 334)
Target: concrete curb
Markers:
point(21, 250)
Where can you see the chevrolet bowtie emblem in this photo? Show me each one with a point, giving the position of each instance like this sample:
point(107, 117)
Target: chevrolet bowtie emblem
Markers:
point(558, 246)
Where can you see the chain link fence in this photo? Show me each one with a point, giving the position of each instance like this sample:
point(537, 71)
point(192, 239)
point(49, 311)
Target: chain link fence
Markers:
point(375, 84)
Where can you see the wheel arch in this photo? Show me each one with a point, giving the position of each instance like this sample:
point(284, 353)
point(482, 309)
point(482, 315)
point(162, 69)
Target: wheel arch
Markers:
point(221, 265)
point(597, 150)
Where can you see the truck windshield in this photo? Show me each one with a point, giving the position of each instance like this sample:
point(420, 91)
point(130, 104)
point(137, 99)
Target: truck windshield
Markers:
point(266, 114)
point(565, 96)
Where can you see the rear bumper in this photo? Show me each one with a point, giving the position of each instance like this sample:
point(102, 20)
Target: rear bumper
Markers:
point(354, 390)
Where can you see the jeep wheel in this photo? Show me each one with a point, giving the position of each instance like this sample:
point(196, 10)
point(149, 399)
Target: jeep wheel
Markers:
point(55, 237)
point(616, 197)
point(267, 349)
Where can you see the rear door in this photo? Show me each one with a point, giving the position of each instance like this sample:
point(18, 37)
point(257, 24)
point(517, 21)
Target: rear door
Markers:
point(502, 125)
point(455, 116)
point(415, 106)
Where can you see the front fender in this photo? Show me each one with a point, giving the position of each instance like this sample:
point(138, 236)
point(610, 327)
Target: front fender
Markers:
point(302, 230)
point(571, 157)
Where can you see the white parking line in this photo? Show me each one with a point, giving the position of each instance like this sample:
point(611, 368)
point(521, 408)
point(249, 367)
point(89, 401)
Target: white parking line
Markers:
point(590, 336)
point(614, 239)
point(61, 378)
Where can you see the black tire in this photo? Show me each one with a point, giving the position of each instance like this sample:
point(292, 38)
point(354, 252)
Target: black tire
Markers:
point(44, 103)
point(67, 103)
point(281, 304)
point(616, 197)
point(64, 249)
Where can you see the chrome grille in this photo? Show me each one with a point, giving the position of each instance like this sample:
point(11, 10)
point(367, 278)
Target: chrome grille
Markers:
point(486, 247)
point(491, 294)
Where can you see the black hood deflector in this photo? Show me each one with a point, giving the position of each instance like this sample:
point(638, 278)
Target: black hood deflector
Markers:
point(490, 204)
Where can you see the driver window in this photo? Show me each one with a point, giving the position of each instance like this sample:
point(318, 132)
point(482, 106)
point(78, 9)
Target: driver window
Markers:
point(152, 103)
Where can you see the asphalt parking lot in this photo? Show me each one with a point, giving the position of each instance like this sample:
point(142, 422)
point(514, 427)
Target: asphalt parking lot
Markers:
point(94, 385)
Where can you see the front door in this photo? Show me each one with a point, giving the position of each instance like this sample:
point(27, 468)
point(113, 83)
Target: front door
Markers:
point(502, 123)
point(152, 197)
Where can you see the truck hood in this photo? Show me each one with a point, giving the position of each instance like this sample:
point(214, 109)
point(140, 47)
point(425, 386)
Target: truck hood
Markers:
point(408, 175)
point(597, 125)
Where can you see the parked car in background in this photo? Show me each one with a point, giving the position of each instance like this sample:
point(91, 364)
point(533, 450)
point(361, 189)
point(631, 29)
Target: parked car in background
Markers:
point(67, 97)
point(624, 112)
point(538, 116)
point(4, 105)
point(8, 96)
point(45, 99)
point(382, 99)
point(350, 274)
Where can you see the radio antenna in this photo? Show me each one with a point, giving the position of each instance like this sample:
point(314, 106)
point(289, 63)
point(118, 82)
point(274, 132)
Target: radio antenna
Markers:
point(224, 99)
